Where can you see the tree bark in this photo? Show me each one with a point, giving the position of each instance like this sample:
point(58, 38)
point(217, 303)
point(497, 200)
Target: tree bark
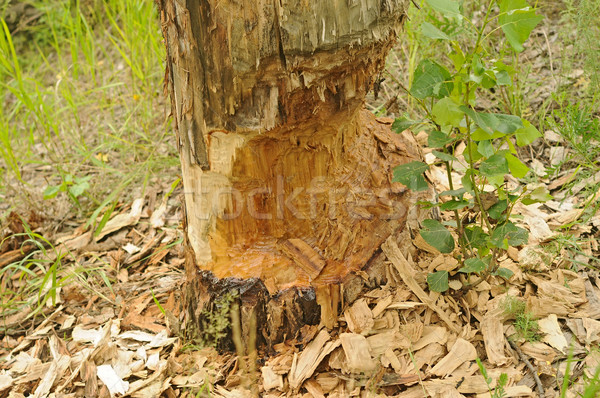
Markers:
point(287, 179)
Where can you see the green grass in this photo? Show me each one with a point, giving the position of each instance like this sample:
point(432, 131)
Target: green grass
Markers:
point(82, 89)
point(35, 281)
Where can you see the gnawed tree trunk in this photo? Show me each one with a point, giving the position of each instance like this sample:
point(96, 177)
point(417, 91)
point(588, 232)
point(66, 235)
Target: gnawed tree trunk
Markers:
point(287, 178)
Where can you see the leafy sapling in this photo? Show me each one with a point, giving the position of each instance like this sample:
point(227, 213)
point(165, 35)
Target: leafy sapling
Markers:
point(481, 228)
point(73, 186)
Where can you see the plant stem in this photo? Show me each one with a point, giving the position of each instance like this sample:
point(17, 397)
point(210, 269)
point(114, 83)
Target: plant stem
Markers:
point(459, 228)
point(486, 20)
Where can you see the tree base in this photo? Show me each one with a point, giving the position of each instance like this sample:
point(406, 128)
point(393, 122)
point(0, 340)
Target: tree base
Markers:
point(286, 272)
point(269, 319)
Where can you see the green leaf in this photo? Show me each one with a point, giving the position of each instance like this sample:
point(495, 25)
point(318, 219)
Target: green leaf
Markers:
point(496, 181)
point(509, 234)
point(447, 8)
point(517, 168)
point(476, 65)
point(473, 265)
point(454, 204)
point(475, 237)
point(446, 113)
point(491, 122)
point(78, 189)
point(503, 78)
point(483, 371)
point(482, 135)
point(446, 157)
point(471, 153)
point(512, 198)
point(432, 32)
point(517, 19)
point(488, 80)
point(486, 148)
point(51, 191)
point(466, 179)
point(504, 273)
point(457, 56)
point(79, 180)
point(402, 123)
point(454, 192)
point(497, 209)
point(494, 166)
point(437, 236)
point(503, 379)
point(437, 139)
point(438, 281)
point(526, 134)
point(114, 194)
point(411, 175)
point(431, 80)
point(538, 195)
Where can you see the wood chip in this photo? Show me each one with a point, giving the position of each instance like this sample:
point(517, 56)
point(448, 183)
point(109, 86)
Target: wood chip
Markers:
point(6, 382)
point(111, 380)
point(357, 353)
point(553, 334)
point(304, 366)
point(393, 253)
point(359, 317)
point(328, 297)
point(431, 334)
point(327, 381)
point(314, 389)
point(145, 250)
point(461, 352)
point(381, 342)
point(466, 385)
point(513, 391)
point(539, 351)
point(271, 379)
point(88, 374)
point(493, 338)
point(407, 305)
point(393, 360)
point(429, 354)
point(382, 305)
point(592, 330)
point(54, 373)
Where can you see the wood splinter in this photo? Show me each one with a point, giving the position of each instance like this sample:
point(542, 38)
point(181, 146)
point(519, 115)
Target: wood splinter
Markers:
point(304, 256)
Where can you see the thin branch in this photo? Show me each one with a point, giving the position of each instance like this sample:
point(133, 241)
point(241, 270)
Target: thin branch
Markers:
point(532, 369)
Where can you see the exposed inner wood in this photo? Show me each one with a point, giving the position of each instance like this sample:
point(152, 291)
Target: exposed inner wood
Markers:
point(309, 205)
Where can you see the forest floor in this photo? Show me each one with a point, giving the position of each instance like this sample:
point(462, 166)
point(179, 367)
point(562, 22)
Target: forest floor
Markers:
point(91, 240)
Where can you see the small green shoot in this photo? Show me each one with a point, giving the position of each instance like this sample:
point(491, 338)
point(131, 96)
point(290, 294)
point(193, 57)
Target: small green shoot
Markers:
point(524, 321)
point(160, 307)
point(73, 186)
point(499, 391)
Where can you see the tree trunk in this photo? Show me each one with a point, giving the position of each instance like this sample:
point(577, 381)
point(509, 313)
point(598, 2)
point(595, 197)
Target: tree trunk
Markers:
point(287, 179)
